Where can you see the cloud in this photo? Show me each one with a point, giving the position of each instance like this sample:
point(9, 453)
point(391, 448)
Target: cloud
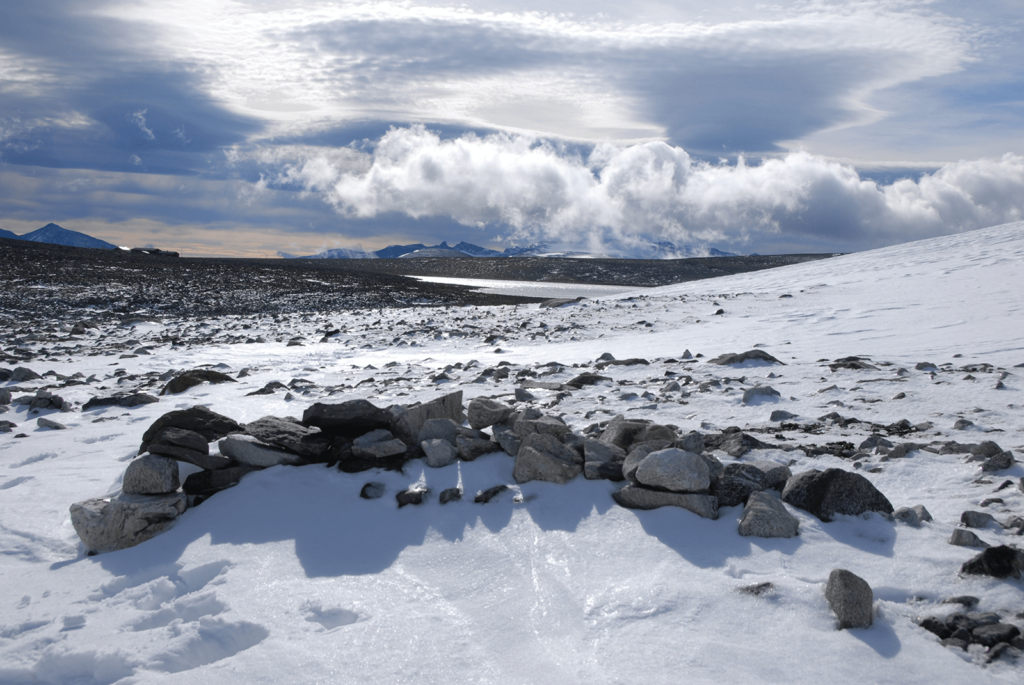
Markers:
point(629, 195)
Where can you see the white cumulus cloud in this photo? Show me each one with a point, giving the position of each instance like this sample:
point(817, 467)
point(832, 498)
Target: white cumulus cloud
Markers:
point(630, 194)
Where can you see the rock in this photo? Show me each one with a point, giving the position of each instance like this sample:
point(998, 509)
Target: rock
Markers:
point(487, 495)
point(5, 396)
point(268, 389)
point(308, 443)
point(780, 415)
point(691, 442)
point(349, 419)
point(758, 589)
point(127, 401)
point(834, 491)
point(962, 424)
point(976, 519)
point(750, 355)
point(674, 470)
point(508, 440)
point(249, 451)
point(23, 374)
point(875, 441)
point(759, 393)
point(151, 475)
point(737, 481)
point(407, 422)
point(411, 496)
point(439, 429)
point(211, 462)
point(523, 395)
point(993, 634)
point(851, 599)
point(439, 453)
point(766, 517)
point(985, 450)
point(601, 461)
point(532, 464)
point(372, 490)
point(637, 497)
point(209, 424)
point(195, 377)
point(585, 379)
point(936, 626)
point(547, 425)
point(44, 422)
point(484, 412)
point(381, 448)
point(733, 442)
point(998, 562)
point(620, 432)
point(181, 437)
point(206, 483)
point(450, 495)
point(913, 516)
point(109, 524)
point(551, 446)
point(471, 448)
point(1003, 460)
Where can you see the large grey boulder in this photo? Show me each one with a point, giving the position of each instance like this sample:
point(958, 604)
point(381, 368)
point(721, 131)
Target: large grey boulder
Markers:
point(962, 537)
point(406, 422)
point(109, 524)
point(308, 443)
point(691, 442)
point(674, 470)
point(636, 497)
point(507, 438)
point(851, 599)
point(128, 401)
point(209, 424)
point(5, 396)
point(834, 491)
point(151, 475)
point(439, 453)
point(249, 451)
point(765, 516)
point(484, 412)
point(532, 464)
point(350, 419)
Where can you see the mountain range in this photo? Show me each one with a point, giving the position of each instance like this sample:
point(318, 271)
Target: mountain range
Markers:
point(651, 250)
point(53, 234)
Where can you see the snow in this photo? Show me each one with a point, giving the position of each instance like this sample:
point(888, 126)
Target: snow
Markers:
point(291, 577)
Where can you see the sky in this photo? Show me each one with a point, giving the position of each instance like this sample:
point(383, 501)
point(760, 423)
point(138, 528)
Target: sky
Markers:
point(248, 128)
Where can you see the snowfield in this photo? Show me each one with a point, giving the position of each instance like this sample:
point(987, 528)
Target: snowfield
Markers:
point(291, 577)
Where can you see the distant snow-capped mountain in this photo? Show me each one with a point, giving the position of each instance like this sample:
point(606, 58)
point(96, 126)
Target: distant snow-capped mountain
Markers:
point(649, 250)
point(52, 234)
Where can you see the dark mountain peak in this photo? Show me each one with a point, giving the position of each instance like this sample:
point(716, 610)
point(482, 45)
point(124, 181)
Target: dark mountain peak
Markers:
point(52, 234)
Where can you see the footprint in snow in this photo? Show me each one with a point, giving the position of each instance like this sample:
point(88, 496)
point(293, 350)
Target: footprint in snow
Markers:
point(330, 618)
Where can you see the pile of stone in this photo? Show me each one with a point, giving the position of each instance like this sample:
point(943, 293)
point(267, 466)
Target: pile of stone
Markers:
point(660, 466)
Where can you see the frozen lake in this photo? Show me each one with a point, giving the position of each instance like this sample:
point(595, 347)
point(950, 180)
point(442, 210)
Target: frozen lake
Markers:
point(532, 288)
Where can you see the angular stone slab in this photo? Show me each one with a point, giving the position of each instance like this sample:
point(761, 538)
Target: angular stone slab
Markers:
point(211, 425)
point(407, 422)
point(636, 497)
point(249, 451)
point(308, 443)
point(110, 524)
point(532, 464)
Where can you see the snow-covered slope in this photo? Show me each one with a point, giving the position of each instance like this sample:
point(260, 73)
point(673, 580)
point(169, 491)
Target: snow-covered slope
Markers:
point(56, 235)
point(291, 577)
